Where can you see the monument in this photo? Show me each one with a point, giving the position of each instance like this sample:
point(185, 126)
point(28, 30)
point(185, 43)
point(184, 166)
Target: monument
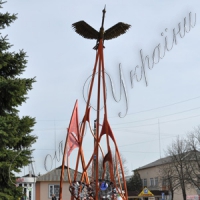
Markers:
point(96, 185)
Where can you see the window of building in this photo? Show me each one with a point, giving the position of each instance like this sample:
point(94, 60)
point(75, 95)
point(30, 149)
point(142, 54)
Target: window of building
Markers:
point(198, 180)
point(151, 182)
point(156, 181)
point(144, 182)
point(164, 182)
point(54, 189)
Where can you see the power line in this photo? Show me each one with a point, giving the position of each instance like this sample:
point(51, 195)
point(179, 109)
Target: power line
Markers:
point(64, 128)
point(44, 149)
point(159, 116)
point(139, 151)
point(164, 106)
point(125, 145)
point(161, 122)
point(136, 112)
point(147, 133)
point(129, 122)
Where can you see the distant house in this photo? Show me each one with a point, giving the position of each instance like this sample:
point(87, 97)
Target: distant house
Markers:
point(49, 184)
point(27, 184)
point(150, 175)
point(42, 187)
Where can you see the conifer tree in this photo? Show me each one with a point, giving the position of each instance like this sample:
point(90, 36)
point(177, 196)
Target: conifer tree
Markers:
point(134, 183)
point(15, 132)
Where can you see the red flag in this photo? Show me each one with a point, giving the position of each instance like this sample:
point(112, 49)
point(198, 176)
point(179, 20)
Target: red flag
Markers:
point(73, 131)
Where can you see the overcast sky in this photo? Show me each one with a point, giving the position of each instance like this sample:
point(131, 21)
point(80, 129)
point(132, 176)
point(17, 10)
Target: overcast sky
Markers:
point(61, 61)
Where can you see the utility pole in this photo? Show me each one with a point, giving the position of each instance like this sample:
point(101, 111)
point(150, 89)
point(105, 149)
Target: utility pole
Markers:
point(159, 137)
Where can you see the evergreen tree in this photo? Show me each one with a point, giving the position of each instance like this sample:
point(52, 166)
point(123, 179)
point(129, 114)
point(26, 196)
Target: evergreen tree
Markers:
point(135, 183)
point(15, 137)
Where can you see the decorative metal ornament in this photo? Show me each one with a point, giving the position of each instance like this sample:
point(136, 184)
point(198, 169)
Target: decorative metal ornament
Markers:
point(107, 189)
point(80, 190)
point(108, 184)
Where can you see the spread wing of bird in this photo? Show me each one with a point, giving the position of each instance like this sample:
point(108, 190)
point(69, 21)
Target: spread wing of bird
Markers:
point(85, 30)
point(116, 30)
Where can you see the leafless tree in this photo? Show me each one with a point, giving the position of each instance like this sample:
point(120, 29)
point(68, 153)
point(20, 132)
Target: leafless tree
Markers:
point(193, 167)
point(179, 163)
point(167, 177)
point(107, 173)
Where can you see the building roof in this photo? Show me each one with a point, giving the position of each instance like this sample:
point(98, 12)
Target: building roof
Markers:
point(190, 155)
point(54, 175)
point(158, 162)
point(29, 175)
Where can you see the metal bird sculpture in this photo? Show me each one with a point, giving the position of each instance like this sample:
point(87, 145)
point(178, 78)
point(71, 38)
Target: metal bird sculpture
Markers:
point(88, 32)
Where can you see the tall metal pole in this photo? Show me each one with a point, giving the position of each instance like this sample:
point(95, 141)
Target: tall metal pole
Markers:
point(94, 159)
point(159, 137)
